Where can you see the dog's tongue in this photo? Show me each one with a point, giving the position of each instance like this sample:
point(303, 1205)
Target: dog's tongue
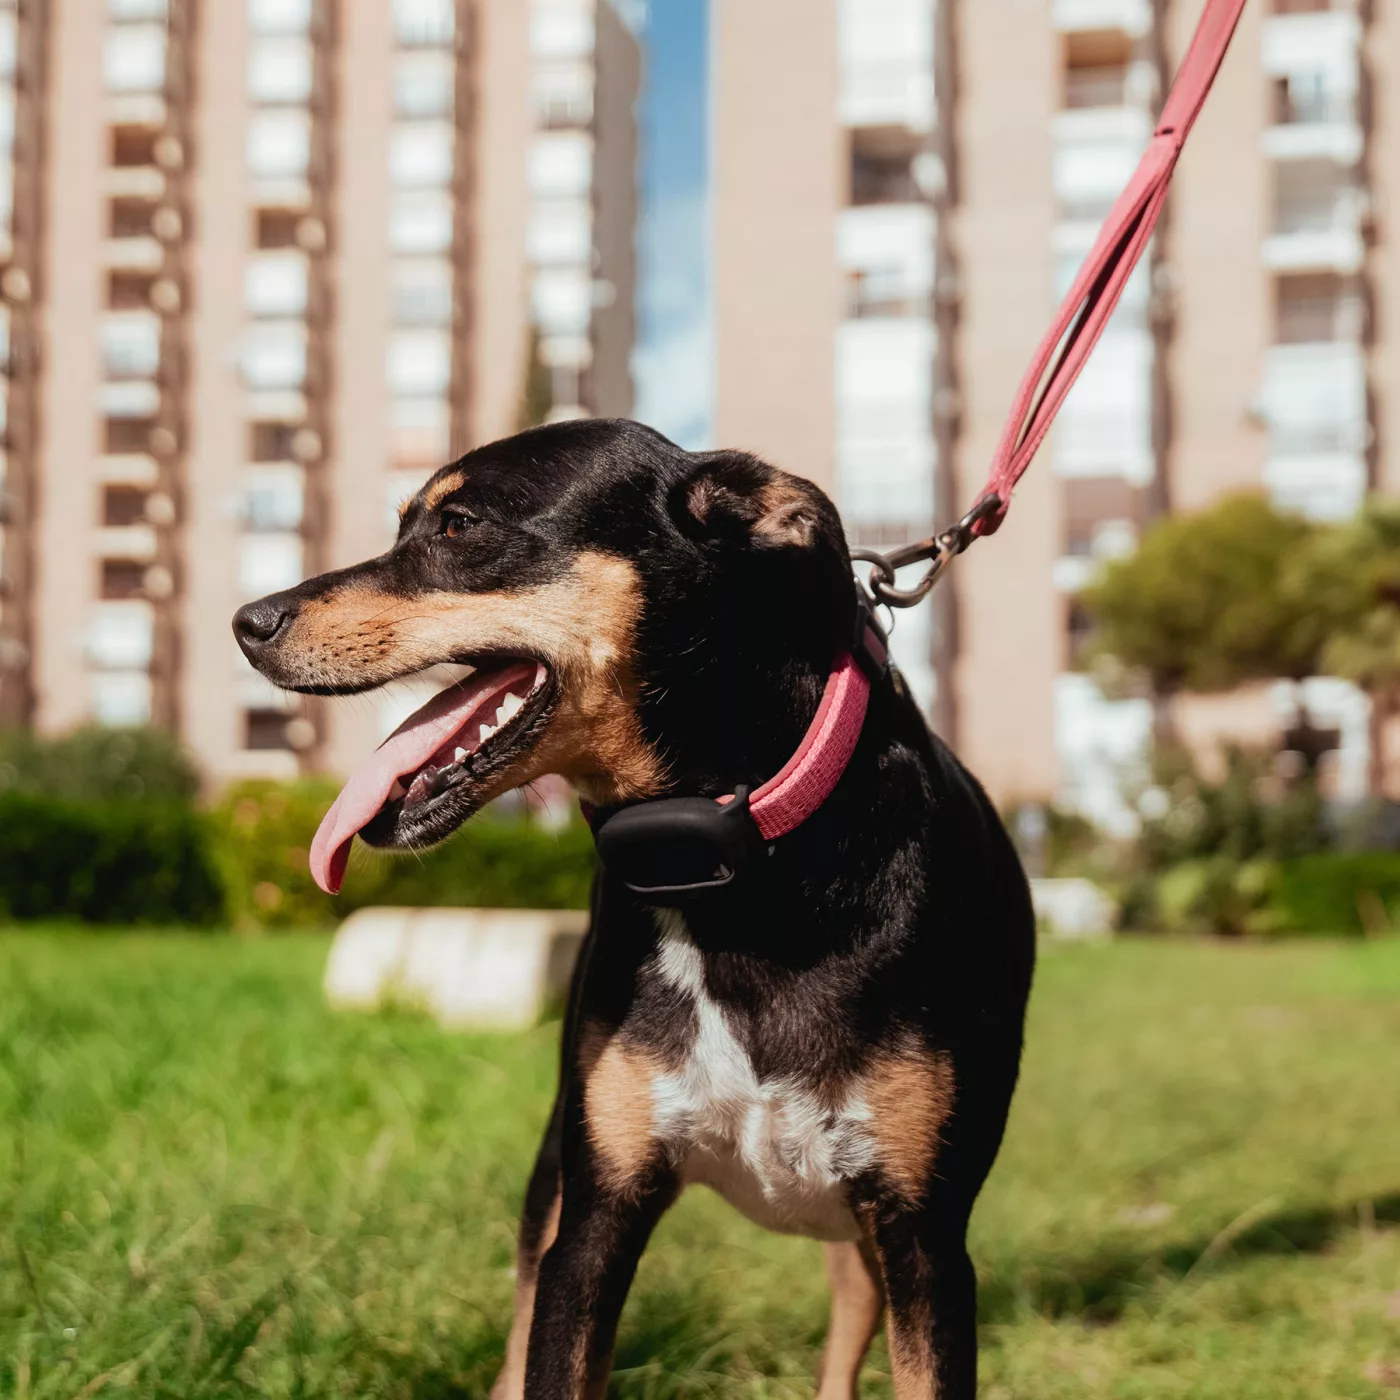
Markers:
point(412, 745)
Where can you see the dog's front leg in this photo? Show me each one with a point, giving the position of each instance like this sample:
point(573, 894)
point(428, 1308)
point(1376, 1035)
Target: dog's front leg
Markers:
point(931, 1297)
point(584, 1279)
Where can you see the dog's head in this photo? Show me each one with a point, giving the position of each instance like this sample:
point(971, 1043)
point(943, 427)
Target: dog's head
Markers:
point(637, 617)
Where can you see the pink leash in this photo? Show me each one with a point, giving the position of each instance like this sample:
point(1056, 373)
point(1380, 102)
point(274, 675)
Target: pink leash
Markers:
point(1101, 281)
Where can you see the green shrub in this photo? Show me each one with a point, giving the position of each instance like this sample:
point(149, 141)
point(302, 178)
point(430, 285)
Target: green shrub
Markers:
point(97, 764)
point(1352, 892)
point(118, 862)
point(263, 836)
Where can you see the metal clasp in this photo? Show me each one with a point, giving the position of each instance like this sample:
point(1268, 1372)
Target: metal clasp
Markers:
point(941, 549)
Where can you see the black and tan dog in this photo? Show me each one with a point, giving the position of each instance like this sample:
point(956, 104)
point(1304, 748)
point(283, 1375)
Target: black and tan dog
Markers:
point(830, 1042)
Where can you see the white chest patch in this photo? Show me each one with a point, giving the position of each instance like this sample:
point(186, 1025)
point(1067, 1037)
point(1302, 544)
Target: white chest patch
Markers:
point(771, 1148)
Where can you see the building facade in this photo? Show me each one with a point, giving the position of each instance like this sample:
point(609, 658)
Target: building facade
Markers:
point(264, 266)
point(940, 186)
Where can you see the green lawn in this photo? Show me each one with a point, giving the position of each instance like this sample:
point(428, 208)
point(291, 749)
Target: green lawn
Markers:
point(209, 1186)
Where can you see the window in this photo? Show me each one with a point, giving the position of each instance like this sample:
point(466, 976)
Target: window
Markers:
point(271, 442)
point(123, 505)
point(424, 23)
point(1311, 96)
point(265, 730)
point(419, 362)
point(122, 579)
point(127, 10)
point(133, 145)
point(420, 154)
point(883, 291)
point(278, 144)
point(279, 16)
point(122, 699)
point(268, 563)
point(128, 291)
point(130, 218)
point(1308, 309)
point(562, 300)
point(882, 170)
point(422, 291)
point(1097, 65)
point(121, 435)
point(561, 231)
point(279, 70)
point(275, 285)
point(120, 639)
point(274, 355)
point(563, 95)
point(272, 499)
point(561, 165)
point(131, 345)
point(561, 31)
point(424, 84)
point(1310, 196)
point(421, 222)
point(277, 228)
point(419, 431)
point(133, 58)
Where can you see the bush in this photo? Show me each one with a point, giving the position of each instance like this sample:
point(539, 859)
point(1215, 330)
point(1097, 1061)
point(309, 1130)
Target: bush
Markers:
point(1356, 893)
point(263, 835)
point(97, 764)
point(117, 862)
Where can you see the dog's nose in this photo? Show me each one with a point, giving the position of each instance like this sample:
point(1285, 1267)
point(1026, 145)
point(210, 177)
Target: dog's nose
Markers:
point(256, 624)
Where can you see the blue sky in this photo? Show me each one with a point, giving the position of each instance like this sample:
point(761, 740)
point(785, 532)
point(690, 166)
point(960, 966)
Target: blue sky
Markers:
point(674, 360)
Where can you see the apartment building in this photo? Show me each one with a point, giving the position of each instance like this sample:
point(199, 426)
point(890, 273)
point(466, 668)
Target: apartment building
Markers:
point(265, 266)
point(898, 208)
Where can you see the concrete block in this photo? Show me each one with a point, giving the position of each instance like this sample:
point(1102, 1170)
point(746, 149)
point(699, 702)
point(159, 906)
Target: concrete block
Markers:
point(471, 969)
point(1074, 909)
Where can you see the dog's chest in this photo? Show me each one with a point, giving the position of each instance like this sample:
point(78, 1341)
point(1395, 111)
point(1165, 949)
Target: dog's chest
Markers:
point(775, 1148)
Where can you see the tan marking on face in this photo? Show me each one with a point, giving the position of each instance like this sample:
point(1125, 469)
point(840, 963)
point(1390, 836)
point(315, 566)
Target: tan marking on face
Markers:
point(582, 626)
point(910, 1093)
point(436, 492)
point(618, 1106)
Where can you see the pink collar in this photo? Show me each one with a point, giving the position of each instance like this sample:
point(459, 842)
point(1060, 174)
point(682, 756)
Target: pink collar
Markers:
point(672, 849)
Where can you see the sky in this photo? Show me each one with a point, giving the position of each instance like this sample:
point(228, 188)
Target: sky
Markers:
point(673, 362)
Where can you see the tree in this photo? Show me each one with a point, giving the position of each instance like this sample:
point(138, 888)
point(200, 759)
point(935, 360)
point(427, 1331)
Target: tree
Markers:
point(1358, 565)
point(537, 392)
point(1212, 600)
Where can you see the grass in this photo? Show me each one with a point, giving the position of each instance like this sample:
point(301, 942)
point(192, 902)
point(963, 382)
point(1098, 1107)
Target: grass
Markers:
point(210, 1187)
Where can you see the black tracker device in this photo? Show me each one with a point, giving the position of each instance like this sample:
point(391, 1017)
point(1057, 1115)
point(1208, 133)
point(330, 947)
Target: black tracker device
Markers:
point(674, 849)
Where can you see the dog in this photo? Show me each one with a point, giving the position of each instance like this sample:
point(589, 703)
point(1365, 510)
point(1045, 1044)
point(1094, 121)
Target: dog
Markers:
point(830, 1036)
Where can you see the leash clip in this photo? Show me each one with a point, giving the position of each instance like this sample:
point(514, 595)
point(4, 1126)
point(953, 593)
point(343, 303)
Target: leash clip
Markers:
point(940, 549)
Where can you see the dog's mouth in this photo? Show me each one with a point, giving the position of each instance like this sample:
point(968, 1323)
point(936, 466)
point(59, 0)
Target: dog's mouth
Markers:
point(439, 765)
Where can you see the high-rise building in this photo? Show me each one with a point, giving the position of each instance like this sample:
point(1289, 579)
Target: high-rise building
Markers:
point(903, 189)
point(263, 267)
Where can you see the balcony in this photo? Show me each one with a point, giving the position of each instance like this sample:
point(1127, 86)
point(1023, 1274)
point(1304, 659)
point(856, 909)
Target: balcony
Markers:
point(279, 71)
point(1105, 427)
point(133, 59)
point(274, 356)
point(1103, 746)
point(121, 698)
point(424, 85)
point(272, 498)
point(1315, 403)
point(885, 449)
point(561, 31)
point(1318, 214)
point(886, 252)
point(267, 17)
point(120, 636)
point(562, 95)
point(1316, 114)
point(420, 155)
point(1096, 151)
point(1130, 17)
point(268, 564)
point(274, 284)
point(561, 165)
point(424, 23)
point(886, 75)
point(561, 234)
point(127, 542)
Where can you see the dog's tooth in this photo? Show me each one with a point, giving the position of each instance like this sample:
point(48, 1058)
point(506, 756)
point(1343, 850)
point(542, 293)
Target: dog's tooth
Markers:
point(459, 755)
point(487, 731)
point(511, 704)
point(501, 715)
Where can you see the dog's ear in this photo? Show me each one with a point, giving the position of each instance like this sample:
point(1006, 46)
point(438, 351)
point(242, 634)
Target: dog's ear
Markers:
point(731, 498)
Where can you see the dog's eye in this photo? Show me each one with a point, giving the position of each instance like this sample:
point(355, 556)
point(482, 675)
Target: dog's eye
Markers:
point(458, 522)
